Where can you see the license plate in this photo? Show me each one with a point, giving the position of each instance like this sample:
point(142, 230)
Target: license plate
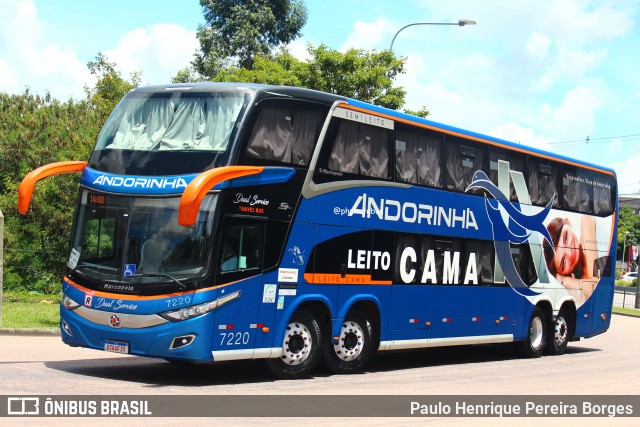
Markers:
point(116, 347)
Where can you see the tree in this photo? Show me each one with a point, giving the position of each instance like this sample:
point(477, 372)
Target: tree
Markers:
point(628, 222)
point(36, 130)
point(243, 30)
point(110, 87)
point(367, 76)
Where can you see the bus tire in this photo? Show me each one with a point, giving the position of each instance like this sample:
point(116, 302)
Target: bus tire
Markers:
point(354, 347)
point(300, 348)
point(558, 334)
point(534, 344)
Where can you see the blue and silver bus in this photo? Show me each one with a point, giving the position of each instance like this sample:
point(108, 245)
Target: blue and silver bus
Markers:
point(234, 221)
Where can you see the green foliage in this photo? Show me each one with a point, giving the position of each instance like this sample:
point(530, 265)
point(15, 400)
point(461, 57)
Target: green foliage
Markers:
point(363, 75)
point(628, 222)
point(423, 112)
point(627, 284)
point(277, 71)
point(34, 131)
point(111, 87)
point(187, 75)
point(245, 30)
point(359, 74)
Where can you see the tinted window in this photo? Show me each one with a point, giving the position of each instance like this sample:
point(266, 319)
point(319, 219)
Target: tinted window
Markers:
point(285, 135)
point(543, 182)
point(515, 162)
point(360, 149)
point(577, 189)
point(463, 159)
point(419, 157)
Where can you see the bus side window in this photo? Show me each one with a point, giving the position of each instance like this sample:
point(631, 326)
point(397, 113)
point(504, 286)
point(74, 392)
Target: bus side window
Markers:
point(360, 149)
point(523, 261)
point(241, 247)
point(577, 190)
point(407, 272)
point(516, 163)
point(419, 158)
point(285, 135)
point(483, 252)
point(603, 194)
point(543, 182)
point(463, 159)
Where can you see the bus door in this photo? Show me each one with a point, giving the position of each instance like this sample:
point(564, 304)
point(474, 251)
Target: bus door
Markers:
point(240, 257)
point(458, 296)
point(290, 269)
point(411, 311)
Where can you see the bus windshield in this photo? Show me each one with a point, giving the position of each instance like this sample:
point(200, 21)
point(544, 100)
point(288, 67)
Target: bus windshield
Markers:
point(177, 120)
point(138, 240)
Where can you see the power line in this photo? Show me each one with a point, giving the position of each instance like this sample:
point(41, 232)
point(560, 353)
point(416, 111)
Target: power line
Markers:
point(601, 139)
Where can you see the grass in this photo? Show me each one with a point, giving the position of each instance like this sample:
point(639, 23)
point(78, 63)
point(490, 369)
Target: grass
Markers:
point(25, 310)
point(627, 311)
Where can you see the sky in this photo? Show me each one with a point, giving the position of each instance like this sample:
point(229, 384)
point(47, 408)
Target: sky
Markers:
point(558, 75)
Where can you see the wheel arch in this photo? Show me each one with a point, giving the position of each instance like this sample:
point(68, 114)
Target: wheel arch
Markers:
point(318, 305)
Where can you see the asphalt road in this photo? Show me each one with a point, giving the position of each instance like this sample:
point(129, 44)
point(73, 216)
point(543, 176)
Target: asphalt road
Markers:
point(608, 364)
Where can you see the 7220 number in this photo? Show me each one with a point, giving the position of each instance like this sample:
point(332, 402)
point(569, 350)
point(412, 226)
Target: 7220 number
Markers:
point(234, 338)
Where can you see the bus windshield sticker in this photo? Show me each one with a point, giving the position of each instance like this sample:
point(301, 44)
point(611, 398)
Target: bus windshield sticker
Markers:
point(73, 258)
point(129, 270)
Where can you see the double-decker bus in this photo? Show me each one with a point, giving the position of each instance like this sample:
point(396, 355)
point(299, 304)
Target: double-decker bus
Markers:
point(233, 221)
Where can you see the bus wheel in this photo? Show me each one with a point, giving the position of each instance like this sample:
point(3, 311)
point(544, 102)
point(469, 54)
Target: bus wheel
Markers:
point(534, 345)
point(352, 350)
point(558, 335)
point(300, 348)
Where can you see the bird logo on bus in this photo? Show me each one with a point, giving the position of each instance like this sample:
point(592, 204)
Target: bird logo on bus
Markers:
point(514, 227)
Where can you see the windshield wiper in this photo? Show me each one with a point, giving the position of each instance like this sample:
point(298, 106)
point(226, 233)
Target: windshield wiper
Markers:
point(181, 285)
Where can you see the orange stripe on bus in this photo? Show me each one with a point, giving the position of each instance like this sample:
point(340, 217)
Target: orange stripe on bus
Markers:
point(348, 279)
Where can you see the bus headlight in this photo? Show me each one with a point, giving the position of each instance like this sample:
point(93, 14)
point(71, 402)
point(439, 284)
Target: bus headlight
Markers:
point(199, 310)
point(68, 303)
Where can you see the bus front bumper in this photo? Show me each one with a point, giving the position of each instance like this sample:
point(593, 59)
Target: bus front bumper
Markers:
point(150, 335)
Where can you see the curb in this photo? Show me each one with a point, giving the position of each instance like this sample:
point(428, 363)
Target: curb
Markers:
point(29, 332)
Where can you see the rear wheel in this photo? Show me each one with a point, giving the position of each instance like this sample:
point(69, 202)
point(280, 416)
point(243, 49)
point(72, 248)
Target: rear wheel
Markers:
point(300, 348)
point(534, 345)
point(559, 334)
point(354, 347)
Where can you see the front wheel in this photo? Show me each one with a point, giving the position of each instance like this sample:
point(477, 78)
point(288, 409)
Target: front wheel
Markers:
point(558, 335)
point(534, 345)
point(300, 348)
point(352, 350)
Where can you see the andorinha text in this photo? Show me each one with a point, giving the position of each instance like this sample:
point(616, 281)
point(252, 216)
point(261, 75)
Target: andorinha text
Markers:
point(409, 212)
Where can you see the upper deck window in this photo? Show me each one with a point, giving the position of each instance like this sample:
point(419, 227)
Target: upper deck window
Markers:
point(285, 135)
point(172, 121)
point(419, 157)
